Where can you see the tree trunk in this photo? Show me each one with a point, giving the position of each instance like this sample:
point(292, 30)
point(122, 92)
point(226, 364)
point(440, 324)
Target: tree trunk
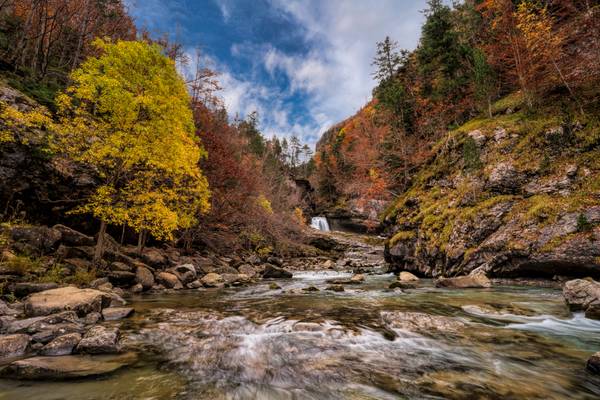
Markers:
point(100, 243)
point(141, 241)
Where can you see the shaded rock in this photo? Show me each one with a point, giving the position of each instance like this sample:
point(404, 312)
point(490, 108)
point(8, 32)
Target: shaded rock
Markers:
point(22, 289)
point(154, 257)
point(67, 367)
point(5, 309)
point(197, 284)
point(247, 269)
point(464, 282)
point(504, 178)
point(170, 281)
point(581, 294)
point(96, 283)
point(310, 289)
point(13, 345)
point(100, 339)
point(137, 288)
point(40, 238)
point(71, 237)
point(144, 277)
point(406, 276)
point(75, 264)
point(186, 273)
point(335, 288)
point(120, 266)
point(121, 278)
point(82, 301)
point(403, 285)
point(62, 345)
point(274, 286)
point(273, 272)
point(275, 261)
point(323, 242)
point(253, 259)
point(212, 280)
point(593, 364)
point(36, 324)
point(593, 311)
point(116, 313)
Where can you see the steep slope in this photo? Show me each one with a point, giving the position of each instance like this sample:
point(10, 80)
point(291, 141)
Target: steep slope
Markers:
point(514, 195)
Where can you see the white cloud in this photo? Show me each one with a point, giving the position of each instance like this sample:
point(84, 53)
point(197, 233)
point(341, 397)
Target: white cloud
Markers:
point(225, 8)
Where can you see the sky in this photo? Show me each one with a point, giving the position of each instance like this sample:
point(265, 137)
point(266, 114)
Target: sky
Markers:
point(303, 65)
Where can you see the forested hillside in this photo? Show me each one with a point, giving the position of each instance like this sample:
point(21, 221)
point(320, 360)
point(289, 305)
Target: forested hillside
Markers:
point(486, 138)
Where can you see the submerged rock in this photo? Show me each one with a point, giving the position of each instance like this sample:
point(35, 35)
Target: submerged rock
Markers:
point(66, 367)
point(420, 322)
point(464, 282)
point(82, 301)
point(13, 345)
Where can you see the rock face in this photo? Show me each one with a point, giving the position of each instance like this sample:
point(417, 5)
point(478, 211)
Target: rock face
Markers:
point(82, 301)
point(66, 367)
point(517, 215)
point(582, 295)
point(13, 345)
point(99, 340)
point(464, 282)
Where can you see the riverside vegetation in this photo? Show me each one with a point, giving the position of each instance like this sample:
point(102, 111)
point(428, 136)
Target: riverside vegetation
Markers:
point(153, 247)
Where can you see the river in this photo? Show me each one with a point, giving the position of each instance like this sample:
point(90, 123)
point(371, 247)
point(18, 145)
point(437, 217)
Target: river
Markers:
point(367, 342)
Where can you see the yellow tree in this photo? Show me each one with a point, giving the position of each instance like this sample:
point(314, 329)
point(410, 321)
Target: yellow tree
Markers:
point(127, 114)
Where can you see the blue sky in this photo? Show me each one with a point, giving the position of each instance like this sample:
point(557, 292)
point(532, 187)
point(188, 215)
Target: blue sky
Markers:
point(303, 65)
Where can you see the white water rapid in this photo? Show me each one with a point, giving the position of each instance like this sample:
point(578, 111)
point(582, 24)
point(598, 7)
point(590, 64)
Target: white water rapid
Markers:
point(320, 223)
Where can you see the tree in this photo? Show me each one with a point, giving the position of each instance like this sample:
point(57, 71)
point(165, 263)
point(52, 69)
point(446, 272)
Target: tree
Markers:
point(127, 114)
point(484, 79)
point(387, 60)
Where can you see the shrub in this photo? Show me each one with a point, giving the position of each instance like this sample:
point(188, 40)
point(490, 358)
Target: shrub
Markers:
point(471, 158)
point(583, 225)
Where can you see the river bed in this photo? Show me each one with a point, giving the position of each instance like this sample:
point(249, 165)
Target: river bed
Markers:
point(367, 342)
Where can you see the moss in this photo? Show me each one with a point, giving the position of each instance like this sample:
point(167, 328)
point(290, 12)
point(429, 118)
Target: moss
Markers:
point(513, 102)
point(23, 265)
point(401, 236)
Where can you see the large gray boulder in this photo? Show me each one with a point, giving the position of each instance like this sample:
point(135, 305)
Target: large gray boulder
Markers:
point(580, 294)
point(71, 237)
point(13, 345)
point(274, 272)
point(62, 345)
point(39, 238)
point(144, 277)
point(100, 340)
point(82, 301)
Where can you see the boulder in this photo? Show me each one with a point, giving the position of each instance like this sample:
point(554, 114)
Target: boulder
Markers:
point(310, 289)
point(144, 277)
point(593, 364)
point(358, 278)
point(71, 237)
point(581, 294)
point(137, 288)
point(275, 261)
point(186, 273)
point(67, 367)
point(406, 276)
point(212, 280)
point(121, 278)
point(92, 318)
point(253, 259)
point(22, 289)
point(37, 324)
point(478, 137)
point(274, 272)
point(96, 283)
point(335, 288)
point(13, 345)
point(100, 339)
point(274, 286)
point(40, 238)
point(120, 266)
point(154, 257)
point(420, 322)
point(329, 264)
point(504, 178)
point(62, 345)
point(464, 282)
point(169, 280)
point(82, 301)
point(403, 285)
point(247, 270)
point(116, 313)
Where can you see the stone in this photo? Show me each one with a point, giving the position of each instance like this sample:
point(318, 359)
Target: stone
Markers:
point(335, 288)
point(98, 282)
point(197, 284)
point(464, 282)
point(169, 280)
point(186, 273)
point(504, 178)
point(99, 340)
point(71, 237)
point(212, 280)
point(500, 134)
point(310, 289)
point(120, 266)
point(273, 272)
point(5, 309)
point(36, 324)
point(82, 301)
point(116, 313)
point(275, 261)
point(13, 345)
point(144, 277)
point(105, 287)
point(420, 322)
point(92, 318)
point(154, 257)
point(121, 278)
point(406, 276)
point(357, 278)
point(247, 269)
point(22, 289)
point(593, 311)
point(274, 286)
point(253, 259)
point(593, 364)
point(478, 137)
point(67, 367)
point(40, 238)
point(403, 285)
point(62, 345)
point(581, 294)
point(137, 288)
point(329, 264)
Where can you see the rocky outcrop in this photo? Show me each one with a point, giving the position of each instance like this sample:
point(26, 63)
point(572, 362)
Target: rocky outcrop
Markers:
point(583, 295)
point(523, 212)
point(81, 301)
point(464, 282)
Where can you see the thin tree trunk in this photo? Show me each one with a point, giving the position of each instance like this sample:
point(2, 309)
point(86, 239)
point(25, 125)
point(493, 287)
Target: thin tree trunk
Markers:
point(100, 243)
point(142, 241)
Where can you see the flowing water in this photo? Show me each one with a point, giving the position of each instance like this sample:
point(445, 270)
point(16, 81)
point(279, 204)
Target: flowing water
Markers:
point(364, 343)
point(320, 223)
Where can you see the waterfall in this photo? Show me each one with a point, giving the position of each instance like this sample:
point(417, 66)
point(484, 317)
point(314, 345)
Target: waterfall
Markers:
point(320, 223)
